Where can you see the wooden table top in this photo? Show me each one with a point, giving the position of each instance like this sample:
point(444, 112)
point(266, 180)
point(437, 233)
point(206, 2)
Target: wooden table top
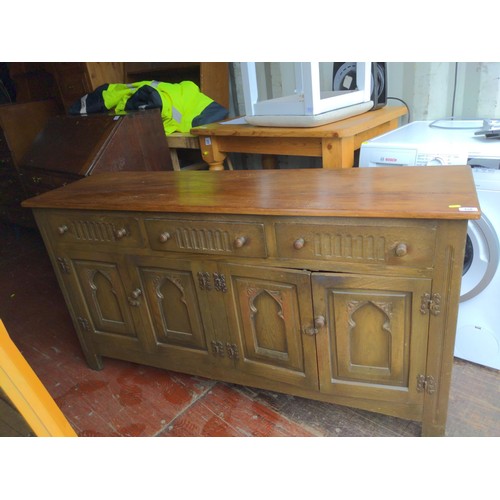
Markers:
point(342, 128)
point(445, 192)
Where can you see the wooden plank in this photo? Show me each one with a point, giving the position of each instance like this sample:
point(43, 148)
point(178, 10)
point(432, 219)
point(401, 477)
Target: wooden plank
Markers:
point(27, 393)
point(214, 81)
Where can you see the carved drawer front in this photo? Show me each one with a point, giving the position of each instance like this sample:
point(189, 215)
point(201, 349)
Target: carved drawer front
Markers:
point(208, 237)
point(95, 230)
point(393, 245)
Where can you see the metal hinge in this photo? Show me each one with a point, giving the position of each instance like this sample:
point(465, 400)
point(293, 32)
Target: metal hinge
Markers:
point(221, 350)
point(427, 384)
point(64, 265)
point(217, 348)
point(204, 281)
point(431, 303)
point(232, 351)
point(220, 282)
point(219, 285)
point(84, 324)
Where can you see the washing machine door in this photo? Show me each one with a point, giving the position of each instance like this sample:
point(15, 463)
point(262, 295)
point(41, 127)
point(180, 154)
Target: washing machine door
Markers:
point(481, 258)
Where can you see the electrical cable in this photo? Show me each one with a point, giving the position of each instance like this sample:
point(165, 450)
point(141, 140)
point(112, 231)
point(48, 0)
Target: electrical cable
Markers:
point(453, 99)
point(406, 105)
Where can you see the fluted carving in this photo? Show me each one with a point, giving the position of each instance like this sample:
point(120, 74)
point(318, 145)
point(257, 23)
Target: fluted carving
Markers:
point(351, 246)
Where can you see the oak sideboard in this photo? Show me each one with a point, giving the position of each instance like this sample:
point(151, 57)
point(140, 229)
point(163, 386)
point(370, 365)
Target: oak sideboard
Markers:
point(335, 285)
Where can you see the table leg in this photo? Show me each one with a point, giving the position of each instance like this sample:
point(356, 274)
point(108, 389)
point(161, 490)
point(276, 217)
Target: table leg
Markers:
point(269, 162)
point(211, 154)
point(175, 159)
point(337, 152)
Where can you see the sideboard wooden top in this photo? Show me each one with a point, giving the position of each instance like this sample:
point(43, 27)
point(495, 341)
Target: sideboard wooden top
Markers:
point(446, 192)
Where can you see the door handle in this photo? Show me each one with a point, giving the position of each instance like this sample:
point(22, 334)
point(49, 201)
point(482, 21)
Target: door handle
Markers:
point(133, 298)
point(319, 322)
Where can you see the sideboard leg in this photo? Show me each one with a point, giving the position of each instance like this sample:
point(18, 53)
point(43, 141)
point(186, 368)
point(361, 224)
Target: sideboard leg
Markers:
point(94, 361)
point(433, 430)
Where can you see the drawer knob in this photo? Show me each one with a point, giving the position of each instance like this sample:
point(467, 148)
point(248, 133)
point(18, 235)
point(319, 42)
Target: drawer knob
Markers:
point(62, 229)
point(164, 237)
point(401, 249)
point(120, 233)
point(239, 241)
point(36, 180)
point(299, 243)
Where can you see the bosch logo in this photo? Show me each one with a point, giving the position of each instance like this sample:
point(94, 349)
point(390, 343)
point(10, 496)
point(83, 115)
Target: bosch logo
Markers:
point(393, 160)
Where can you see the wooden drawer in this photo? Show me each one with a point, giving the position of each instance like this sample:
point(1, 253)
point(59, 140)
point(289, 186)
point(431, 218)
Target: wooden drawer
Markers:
point(399, 245)
point(37, 181)
point(207, 237)
point(95, 230)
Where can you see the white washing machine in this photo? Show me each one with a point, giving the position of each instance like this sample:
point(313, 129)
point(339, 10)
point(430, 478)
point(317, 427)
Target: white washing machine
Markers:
point(455, 143)
point(478, 327)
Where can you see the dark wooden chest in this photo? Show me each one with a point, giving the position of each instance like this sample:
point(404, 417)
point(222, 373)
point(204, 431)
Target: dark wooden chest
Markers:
point(72, 147)
point(19, 125)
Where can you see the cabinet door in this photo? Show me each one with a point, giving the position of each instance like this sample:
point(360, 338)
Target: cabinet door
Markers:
point(270, 318)
point(108, 308)
point(177, 293)
point(374, 340)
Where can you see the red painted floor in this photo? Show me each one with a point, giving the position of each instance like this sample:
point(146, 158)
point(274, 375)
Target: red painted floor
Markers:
point(125, 399)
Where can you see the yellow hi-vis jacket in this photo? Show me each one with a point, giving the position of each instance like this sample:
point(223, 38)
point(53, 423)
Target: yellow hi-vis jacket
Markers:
point(180, 103)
